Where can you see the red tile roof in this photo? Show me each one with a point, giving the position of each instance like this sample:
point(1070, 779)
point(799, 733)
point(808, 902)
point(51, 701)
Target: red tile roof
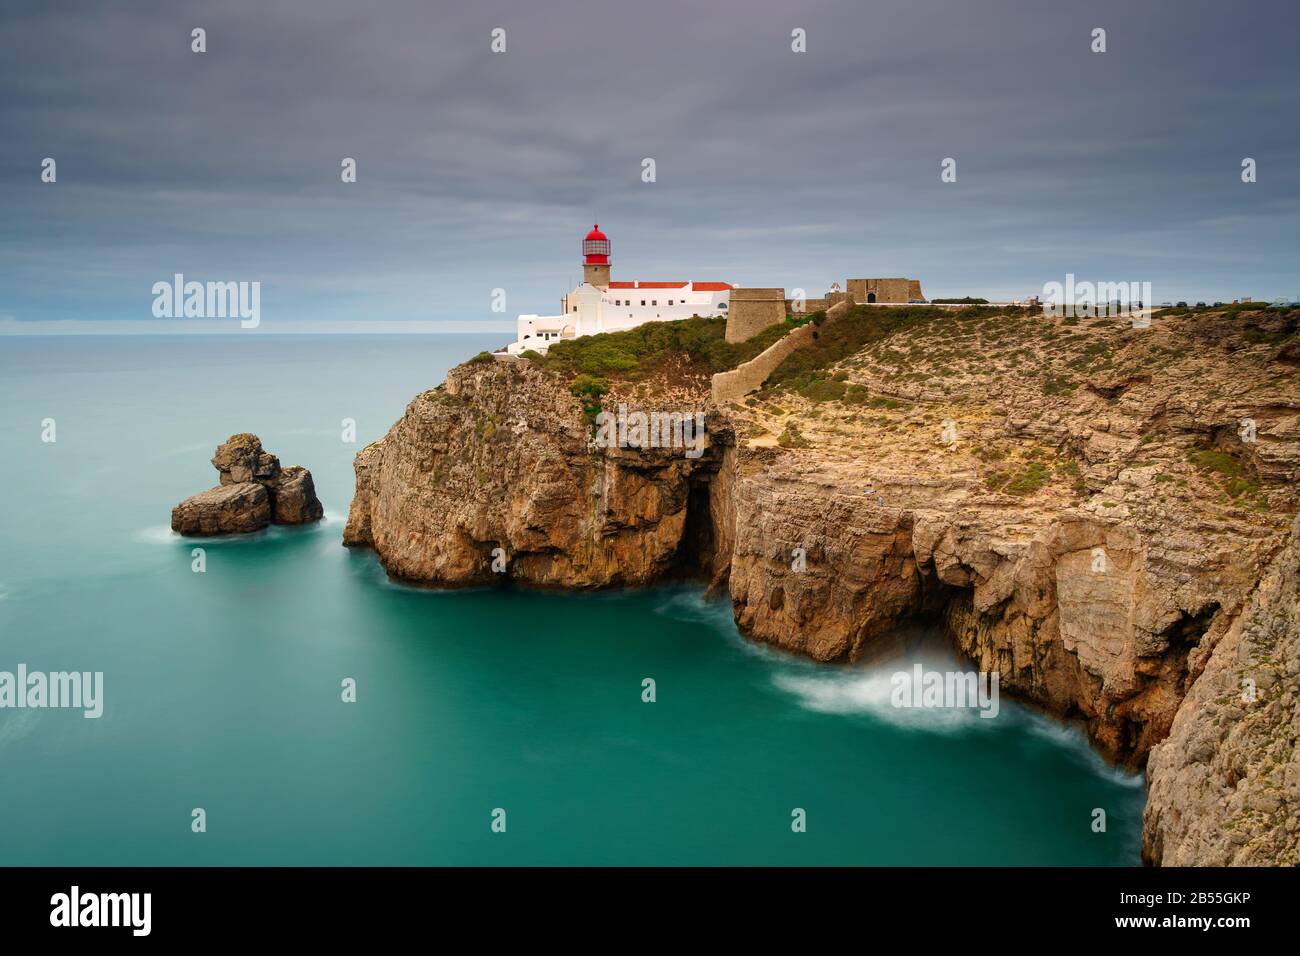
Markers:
point(696, 286)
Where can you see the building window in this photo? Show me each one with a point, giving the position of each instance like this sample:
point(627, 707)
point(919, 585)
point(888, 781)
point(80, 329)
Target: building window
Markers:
point(643, 301)
point(654, 302)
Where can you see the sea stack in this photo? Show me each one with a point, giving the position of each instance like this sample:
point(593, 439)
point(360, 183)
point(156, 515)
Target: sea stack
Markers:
point(254, 491)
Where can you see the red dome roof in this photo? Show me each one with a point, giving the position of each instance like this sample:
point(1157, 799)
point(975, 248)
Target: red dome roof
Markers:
point(595, 248)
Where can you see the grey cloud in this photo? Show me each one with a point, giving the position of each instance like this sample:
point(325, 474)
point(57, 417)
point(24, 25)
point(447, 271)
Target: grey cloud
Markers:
point(479, 171)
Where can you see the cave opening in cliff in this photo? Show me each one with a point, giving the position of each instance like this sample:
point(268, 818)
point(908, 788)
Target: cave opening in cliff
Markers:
point(698, 545)
point(1185, 634)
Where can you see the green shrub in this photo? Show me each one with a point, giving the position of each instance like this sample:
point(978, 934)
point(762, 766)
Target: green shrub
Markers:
point(639, 351)
point(1030, 480)
point(1034, 476)
point(1057, 385)
point(1237, 487)
point(790, 438)
point(849, 334)
point(1214, 460)
point(589, 390)
point(821, 390)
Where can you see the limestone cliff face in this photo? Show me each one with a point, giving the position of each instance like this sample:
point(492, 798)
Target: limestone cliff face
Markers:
point(1225, 784)
point(1089, 527)
point(1093, 526)
point(502, 457)
point(1089, 618)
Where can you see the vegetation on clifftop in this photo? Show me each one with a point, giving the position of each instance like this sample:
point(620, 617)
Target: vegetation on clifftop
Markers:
point(849, 334)
point(636, 353)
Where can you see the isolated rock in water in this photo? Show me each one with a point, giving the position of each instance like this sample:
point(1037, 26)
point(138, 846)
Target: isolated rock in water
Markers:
point(295, 497)
point(253, 493)
point(241, 458)
point(225, 509)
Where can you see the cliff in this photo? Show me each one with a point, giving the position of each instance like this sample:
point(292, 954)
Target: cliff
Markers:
point(1094, 511)
point(1225, 784)
point(500, 467)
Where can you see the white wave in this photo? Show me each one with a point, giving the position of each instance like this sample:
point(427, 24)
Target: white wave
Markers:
point(1071, 738)
point(158, 534)
point(163, 534)
point(690, 604)
point(870, 693)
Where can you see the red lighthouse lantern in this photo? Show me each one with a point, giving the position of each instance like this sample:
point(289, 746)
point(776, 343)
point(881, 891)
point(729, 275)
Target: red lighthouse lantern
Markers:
point(595, 248)
point(595, 261)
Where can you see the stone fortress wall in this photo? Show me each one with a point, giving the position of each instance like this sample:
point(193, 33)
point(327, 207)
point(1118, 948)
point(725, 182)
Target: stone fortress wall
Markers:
point(750, 376)
point(894, 291)
point(752, 310)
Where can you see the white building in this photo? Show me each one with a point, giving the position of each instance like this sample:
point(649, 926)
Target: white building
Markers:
point(599, 305)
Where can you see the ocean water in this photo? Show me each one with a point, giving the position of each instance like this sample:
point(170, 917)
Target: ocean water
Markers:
point(222, 688)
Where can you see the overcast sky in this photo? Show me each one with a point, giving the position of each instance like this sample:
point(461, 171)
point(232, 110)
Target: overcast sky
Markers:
point(481, 170)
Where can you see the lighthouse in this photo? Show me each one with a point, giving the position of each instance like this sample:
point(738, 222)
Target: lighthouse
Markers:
point(595, 258)
point(598, 305)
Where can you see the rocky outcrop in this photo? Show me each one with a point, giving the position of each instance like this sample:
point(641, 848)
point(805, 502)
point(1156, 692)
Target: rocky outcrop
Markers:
point(497, 476)
point(1225, 784)
point(293, 497)
point(225, 509)
point(1087, 509)
point(253, 493)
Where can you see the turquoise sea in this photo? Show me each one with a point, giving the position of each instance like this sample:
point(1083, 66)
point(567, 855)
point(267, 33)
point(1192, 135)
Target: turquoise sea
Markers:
point(222, 688)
